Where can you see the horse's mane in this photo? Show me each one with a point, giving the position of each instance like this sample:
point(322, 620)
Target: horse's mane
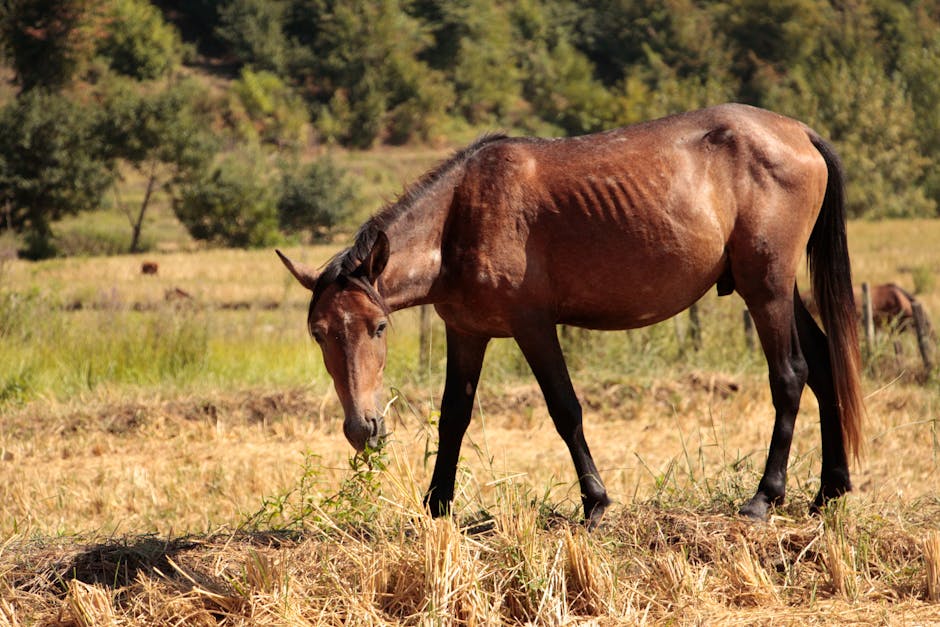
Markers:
point(342, 265)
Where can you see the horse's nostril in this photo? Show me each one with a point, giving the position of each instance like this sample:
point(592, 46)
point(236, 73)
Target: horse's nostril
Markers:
point(375, 427)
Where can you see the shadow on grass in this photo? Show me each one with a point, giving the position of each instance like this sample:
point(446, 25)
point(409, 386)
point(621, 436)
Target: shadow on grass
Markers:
point(46, 567)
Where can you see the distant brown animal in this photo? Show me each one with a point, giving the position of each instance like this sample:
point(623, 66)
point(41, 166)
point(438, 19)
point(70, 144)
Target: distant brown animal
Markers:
point(149, 267)
point(175, 294)
point(890, 304)
point(616, 230)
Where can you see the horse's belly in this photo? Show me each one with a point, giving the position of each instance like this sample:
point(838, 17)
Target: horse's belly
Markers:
point(636, 285)
point(642, 306)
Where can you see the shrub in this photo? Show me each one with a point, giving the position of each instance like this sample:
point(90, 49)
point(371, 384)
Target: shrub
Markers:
point(234, 205)
point(316, 197)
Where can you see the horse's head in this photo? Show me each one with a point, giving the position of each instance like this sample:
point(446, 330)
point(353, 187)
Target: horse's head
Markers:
point(348, 320)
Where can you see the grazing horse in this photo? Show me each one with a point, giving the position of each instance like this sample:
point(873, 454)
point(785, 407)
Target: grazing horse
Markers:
point(615, 230)
point(891, 304)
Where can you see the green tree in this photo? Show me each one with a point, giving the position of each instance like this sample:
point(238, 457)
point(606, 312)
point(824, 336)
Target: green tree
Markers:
point(658, 58)
point(163, 135)
point(254, 31)
point(51, 165)
point(622, 37)
point(563, 92)
point(264, 107)
point(768, 37)
point(137, 41)
point(48, 42)
point(234, 204)
point(473, 45)
point(917, 59)
point(362, 59)
point(870, 118)
point(315, 198)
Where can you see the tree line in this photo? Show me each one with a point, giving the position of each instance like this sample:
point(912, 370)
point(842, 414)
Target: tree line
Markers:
point(101, 87)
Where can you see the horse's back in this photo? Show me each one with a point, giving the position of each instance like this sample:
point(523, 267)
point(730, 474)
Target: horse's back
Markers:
point(628, 227)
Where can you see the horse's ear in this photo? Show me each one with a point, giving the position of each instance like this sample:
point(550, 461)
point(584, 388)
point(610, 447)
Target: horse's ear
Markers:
point(306, 276)
point(375, 261)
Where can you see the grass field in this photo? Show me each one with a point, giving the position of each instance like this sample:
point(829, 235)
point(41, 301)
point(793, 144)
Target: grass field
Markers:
point(180, 460)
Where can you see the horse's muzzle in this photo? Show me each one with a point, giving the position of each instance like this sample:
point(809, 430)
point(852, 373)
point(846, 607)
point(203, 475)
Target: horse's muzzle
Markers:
point(365, 431)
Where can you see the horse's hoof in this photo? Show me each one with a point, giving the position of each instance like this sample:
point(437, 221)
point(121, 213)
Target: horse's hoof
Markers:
point(757, 509)
point(592, 520)
point(827, 493)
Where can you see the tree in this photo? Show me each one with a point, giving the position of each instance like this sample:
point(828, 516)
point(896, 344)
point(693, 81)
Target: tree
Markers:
point(657, 58)
point(771, 37)
point(137, 41)
point(315, 197)
point(473, 46)
point(918, 61)
point(51, 165)
point(870, 119)
point(47, 41)
point(362, 61)
point(262, 106)
point(234, 204)
point(254, 30)
point(165, 136)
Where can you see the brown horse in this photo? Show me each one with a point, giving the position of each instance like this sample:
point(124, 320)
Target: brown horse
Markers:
point(891, 305)
point(616, 230)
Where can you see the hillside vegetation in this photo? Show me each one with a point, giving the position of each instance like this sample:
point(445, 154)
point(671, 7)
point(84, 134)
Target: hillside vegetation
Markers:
point(234, 117)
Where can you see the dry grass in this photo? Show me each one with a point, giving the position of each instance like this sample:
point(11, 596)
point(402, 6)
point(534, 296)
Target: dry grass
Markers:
point(646, 566)
point(671, 551)
point(153, 505)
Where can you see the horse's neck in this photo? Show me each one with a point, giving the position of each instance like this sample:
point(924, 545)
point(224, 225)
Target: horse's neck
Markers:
point(410, 278)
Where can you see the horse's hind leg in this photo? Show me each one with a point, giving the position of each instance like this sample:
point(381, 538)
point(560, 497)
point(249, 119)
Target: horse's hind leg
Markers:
point(777, 329)
point(834, 478)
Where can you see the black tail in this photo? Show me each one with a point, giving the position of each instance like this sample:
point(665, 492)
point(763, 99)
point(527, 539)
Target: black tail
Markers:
point(831, 275)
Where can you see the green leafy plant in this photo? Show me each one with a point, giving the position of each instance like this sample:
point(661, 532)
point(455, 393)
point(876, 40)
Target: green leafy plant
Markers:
point(354, 504)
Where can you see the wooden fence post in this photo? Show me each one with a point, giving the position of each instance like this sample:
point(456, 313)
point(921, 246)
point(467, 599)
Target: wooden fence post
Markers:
point(868, 320)
point(424, 338)
point(748, 329)
point(922, 327)
point(695, 327)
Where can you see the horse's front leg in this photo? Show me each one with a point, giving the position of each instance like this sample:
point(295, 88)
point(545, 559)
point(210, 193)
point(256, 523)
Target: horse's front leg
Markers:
point(539, 345)
point(464, 361)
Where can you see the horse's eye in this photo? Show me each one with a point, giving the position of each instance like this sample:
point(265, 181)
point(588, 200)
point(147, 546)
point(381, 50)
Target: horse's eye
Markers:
point(380, 329)
point(317, 336)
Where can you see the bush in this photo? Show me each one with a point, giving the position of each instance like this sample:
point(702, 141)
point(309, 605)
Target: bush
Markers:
point(234, 205)
point(315, 198)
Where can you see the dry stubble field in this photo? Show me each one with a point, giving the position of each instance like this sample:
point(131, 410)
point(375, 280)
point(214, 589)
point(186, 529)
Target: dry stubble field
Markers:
point(182, 462)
